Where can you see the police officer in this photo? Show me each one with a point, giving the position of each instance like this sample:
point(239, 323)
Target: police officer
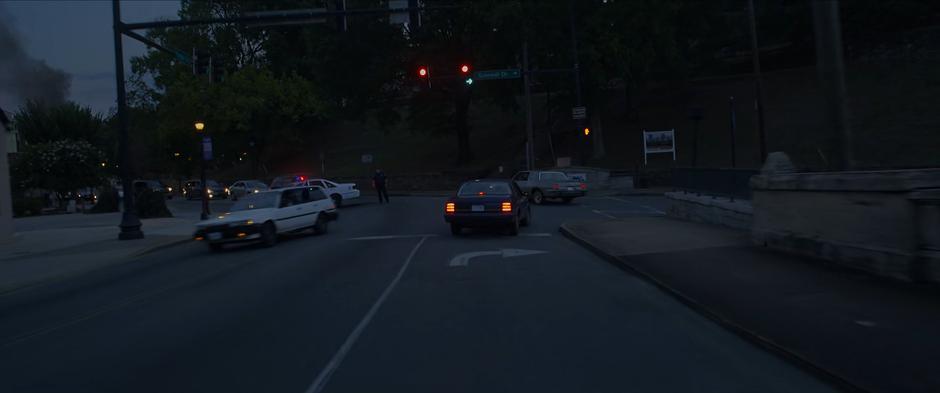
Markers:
point(379, 183)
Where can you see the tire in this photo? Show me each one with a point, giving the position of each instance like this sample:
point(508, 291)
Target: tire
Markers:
point(337, 200)
point(268, 234)
point(538, 197)
point(321, 226)
point(567, 199)
point(455, 229)
point(215, 247)
point(514, 227)
point(528, 218)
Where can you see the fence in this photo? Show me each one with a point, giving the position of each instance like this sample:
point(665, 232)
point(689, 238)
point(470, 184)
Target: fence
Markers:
point(732, 183)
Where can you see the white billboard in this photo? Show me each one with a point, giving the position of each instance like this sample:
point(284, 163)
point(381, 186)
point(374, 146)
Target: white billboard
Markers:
point(659, 142)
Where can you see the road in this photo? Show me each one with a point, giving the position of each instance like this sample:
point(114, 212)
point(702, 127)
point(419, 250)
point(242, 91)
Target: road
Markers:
point(377, 305)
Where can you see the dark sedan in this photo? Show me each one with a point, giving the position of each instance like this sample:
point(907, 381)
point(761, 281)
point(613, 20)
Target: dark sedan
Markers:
point(488, 204)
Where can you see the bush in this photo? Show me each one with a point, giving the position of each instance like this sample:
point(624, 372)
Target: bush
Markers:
point(23, 207)
point(152, 204)
point(107, 201)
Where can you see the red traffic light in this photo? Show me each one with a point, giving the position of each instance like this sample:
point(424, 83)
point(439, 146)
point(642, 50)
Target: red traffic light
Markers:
point(464, 68)
point(422, 72)
point(587, 131)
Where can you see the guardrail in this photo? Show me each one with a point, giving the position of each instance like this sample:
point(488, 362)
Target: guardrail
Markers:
point(731, 183)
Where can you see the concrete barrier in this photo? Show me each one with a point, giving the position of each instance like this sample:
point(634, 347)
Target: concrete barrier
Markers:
point(727, 212)
point(883, 222)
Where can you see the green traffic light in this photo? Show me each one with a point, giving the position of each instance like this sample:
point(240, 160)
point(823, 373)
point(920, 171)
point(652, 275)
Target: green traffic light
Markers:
point(469, 81)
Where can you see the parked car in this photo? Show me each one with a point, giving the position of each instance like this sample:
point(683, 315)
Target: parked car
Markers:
point(242, 188)
point(338, 192)
point(152, 185)
point(488, 203)
point(265, 215)
point(539, 185)
point(192, 190)
point(289, 180)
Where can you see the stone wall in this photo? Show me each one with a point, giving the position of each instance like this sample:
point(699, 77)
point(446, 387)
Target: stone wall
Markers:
point(731, 213)
point(883, 222)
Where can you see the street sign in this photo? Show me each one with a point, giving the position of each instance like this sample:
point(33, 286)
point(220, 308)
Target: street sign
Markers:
point(513, 73)
point(578, 113)
point(366, 158)
point(206, 148)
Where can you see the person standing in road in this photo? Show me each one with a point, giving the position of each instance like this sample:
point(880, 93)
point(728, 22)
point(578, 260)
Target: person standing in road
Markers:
point(379, 183)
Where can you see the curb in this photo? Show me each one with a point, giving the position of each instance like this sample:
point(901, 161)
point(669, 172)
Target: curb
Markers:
point(754, 337)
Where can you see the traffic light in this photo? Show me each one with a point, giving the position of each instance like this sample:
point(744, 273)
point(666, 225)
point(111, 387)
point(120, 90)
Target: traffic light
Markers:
point(464, 69)
point(587, 131)
point(423, 72)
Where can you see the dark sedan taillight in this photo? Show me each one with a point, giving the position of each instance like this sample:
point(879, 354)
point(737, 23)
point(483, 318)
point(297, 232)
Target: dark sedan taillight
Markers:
point(450, 208)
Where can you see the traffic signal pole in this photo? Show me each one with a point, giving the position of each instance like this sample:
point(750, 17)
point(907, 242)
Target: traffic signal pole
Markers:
point(130, 223)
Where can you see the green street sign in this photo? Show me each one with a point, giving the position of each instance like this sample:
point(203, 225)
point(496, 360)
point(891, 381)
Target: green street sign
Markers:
point(497, 74)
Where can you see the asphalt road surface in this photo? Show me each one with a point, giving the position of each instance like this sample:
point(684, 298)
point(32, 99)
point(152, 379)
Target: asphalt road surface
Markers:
point(387, 301)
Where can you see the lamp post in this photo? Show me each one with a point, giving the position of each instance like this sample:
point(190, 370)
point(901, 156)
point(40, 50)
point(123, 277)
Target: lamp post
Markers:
point(206, 147)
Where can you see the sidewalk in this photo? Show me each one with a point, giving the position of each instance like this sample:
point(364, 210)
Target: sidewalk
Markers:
point(862, 332)
point(54, 247)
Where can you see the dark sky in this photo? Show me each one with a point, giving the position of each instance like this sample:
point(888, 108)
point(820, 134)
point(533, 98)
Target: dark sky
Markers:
point(76, 37)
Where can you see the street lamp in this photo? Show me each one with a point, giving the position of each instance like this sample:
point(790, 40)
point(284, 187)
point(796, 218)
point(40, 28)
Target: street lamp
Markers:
point(206, 147)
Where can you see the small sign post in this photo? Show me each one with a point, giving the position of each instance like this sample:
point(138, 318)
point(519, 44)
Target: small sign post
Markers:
point(578, 113)
point(206, 148)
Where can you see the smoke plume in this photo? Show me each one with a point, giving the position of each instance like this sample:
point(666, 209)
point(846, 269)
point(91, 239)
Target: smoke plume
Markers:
point(23, 78)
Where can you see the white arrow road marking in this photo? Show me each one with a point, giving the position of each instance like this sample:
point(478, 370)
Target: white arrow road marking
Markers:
point(464, 259)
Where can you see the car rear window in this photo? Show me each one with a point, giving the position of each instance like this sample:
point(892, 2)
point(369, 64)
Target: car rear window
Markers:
point(262, 200)
point(487, 188)
point(553, 176)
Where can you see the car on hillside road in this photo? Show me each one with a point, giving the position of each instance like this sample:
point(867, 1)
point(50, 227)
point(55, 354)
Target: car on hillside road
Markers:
point(488, 203)
point(265, 215)
point(289, 180)
point(191, 190)
point(242, 188)
point(540, 185)
point(338, 192)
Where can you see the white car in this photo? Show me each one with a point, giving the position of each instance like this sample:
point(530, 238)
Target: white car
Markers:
point(265, 215)
point(338, 192)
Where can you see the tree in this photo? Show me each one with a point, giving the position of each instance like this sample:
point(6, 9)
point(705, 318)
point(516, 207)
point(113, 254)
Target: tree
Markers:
point(42, 123)
point(62, 166)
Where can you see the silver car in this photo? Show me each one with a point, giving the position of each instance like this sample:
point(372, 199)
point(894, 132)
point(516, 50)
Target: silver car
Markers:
point(242, 188)
point(539, 185)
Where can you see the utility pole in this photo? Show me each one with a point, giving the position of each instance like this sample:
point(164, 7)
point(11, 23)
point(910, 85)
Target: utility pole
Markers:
point(831, 69)
point(758, 82)
point(530, 150)
point(130, 224)
point(6, 196)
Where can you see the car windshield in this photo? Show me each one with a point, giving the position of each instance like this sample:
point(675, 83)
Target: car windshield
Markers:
point(212, 183)
point(553, 176)
point(484, 188)
point(262, 200)
point(255, 184)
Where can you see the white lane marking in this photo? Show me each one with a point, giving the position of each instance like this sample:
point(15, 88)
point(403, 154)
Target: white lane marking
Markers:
point(385, 237)
point(464, 259)
point(603, 214)
point(327, 372)
point(536, 234)
point(652, 209)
